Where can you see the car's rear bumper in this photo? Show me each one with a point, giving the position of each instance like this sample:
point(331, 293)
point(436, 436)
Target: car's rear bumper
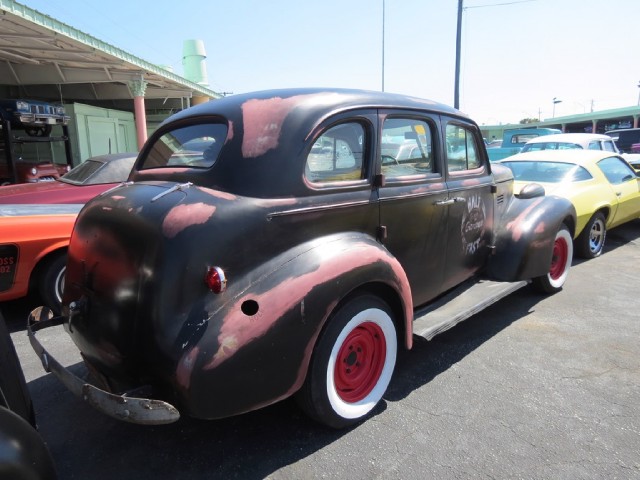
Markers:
point(146, 411)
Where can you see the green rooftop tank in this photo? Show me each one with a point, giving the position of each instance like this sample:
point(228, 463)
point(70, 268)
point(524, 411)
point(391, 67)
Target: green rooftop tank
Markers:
point(193, 62)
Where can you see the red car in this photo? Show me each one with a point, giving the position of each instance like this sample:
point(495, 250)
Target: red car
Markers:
point(95, 175)
point(36, 220)
point(33, 250)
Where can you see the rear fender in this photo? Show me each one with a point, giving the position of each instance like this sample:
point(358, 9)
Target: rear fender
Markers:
point(525, 236)
point(268, 327)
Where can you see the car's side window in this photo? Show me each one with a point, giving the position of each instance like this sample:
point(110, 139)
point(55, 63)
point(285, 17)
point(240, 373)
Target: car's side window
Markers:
point(462, 150)
point(616, 170)
point(337, 155)
point(608, 146)
point(406, 148)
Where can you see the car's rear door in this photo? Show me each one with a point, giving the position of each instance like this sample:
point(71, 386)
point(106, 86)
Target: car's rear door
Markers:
point(413, 226)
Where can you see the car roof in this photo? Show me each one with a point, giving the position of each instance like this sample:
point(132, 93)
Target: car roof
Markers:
point(268, 133)
point(578, 138)
point(580, 157)
point(317, 102)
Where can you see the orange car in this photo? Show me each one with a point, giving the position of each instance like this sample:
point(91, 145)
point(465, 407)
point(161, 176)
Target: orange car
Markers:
point(33, 250)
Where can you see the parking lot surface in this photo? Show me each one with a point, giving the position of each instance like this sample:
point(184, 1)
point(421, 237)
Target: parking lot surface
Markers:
point(533, 387)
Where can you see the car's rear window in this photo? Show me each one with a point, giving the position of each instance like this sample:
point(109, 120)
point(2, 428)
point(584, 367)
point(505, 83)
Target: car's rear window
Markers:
point(531, 147)
point(548, 172)
point(194, 146)
point(82, 172)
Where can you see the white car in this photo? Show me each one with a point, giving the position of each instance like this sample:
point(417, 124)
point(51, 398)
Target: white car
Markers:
point(569, 141)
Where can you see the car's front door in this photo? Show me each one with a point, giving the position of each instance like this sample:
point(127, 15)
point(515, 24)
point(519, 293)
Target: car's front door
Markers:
point(626, 186)
point(413, 226)
point(469, 205)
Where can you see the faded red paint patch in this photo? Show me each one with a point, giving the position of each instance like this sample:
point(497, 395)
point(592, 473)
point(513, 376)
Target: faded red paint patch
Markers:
point(471, 182)
point(185, 367)
point(520, 224)
point(434, 187)
point(183, 216)
point(263, 121)
point(238, 329)
point(218, 193)
point(230, 132)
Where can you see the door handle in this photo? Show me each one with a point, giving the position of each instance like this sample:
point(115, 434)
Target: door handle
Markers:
point(450, 201)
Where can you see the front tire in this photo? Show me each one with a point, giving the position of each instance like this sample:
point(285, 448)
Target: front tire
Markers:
point(352, 363)
point(590, 242)
point(561, 259)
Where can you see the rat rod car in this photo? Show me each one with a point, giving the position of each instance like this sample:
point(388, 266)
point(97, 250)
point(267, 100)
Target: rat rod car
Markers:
point(289, 242)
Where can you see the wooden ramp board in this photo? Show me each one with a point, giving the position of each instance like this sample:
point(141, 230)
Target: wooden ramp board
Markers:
point(459, 304)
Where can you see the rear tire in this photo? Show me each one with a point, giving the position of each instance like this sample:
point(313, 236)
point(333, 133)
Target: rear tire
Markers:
point(561, 259)
point(51, 281)
point(590, 242)
point(352, 363)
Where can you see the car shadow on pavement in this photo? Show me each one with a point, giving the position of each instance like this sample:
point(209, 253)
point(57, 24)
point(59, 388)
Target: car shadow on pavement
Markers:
point(623, 235)
point(87, 444)
point(428, 359)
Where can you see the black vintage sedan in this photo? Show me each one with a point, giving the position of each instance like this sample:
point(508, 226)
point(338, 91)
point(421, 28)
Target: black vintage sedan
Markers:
point(287, 243)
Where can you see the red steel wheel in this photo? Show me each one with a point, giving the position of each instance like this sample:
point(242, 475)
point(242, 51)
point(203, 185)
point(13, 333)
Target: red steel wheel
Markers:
point(360, 362)
point(561, 259)
point(352, 363)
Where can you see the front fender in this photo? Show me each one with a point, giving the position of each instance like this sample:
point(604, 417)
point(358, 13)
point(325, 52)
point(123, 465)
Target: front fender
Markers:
point(525, 236)
point(257, 346)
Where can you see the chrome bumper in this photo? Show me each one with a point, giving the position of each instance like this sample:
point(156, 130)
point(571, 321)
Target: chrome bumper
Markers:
point(144, 411)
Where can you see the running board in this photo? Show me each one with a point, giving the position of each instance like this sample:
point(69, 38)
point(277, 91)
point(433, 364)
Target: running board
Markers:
point(459, 304)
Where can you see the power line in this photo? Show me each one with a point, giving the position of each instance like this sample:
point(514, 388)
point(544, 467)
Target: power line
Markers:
point(499, 4)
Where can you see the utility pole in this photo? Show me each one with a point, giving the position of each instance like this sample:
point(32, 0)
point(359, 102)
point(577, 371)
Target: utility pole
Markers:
point(383, 45)
point(456, 88)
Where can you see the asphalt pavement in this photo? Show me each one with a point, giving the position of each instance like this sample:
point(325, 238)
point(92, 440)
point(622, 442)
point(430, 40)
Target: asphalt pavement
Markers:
point(533, 387)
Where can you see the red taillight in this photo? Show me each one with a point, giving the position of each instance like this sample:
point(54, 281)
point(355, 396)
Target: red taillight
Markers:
point(215, 280)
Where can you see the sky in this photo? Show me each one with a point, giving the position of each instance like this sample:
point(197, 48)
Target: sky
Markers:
point(517, 56)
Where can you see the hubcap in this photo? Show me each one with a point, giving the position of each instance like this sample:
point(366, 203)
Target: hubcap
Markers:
point(596, 237)
point(59, 284)
point(559, 259)
point(360, 362)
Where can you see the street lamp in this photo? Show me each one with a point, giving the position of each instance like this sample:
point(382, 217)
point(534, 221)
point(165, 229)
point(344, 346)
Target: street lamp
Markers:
point(555, 101)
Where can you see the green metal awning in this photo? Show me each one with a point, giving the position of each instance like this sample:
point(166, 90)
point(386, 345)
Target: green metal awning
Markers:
point(43, 58)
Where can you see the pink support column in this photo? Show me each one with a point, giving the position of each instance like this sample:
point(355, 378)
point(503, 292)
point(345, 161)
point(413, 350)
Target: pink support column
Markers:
point(138, 88)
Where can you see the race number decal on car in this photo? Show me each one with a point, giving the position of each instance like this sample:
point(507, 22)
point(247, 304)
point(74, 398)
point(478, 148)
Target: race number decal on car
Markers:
point(8, 264)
